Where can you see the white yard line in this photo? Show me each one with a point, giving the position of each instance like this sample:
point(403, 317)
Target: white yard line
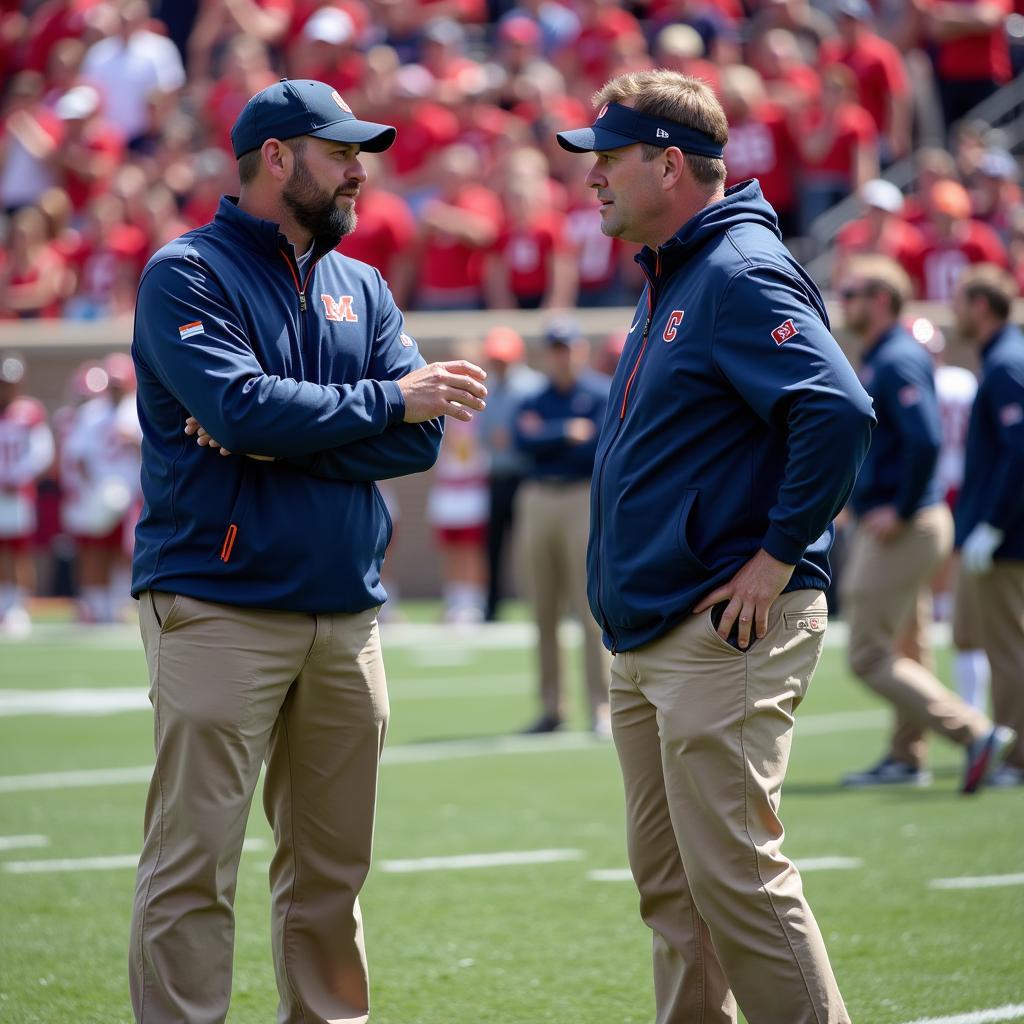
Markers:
point(976, 882)
point(461, 862)
point(804, 864)
point(71, 779)
point(997, 1013)
point(117, 861)
point(23, 842)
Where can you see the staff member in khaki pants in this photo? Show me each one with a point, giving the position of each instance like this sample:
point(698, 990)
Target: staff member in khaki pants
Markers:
point(556, 429)
point(732, 439)
point(904, 533)
point(990, 511)
point(259, 577)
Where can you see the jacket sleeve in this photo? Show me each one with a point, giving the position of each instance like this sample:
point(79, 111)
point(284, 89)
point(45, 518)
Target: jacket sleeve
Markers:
point(216, 376)
point(907, 393)
point(1004, 394)
point(403, 448)
point(796, 378)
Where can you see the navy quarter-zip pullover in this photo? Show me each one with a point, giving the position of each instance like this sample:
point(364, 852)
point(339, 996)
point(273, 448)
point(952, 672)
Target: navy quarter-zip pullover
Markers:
point(272, 360)
point(899, 468)
point(735, 422)
point(993, 489)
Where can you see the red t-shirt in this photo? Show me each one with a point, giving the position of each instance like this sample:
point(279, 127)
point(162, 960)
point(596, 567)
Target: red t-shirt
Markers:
point(593, 45)
point(597, 255)
point(941, 262)
point(385, 227)
point(224, 103)
point(101, 265)
point(430, 128)
point(47, 265)
point(878, 68)
point(51, 23)
point(854, 127)
point(762, 147)
point(977, 57)
point(527, 252)
point(305, 9)
point(899, 241)
point(449, 263)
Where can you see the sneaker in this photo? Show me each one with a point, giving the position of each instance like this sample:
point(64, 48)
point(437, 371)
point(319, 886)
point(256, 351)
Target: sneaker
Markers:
point(984, 756)
point(889, 772)
point(1006, 776)
point(546, 723)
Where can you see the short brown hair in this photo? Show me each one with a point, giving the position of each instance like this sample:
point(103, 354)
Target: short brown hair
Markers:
point(681, 98)
point(991, 283)
point(880, 273)
point(249, 163)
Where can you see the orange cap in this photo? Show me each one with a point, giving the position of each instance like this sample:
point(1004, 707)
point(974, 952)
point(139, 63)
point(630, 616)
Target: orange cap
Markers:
point(951, 198)
point(504, 345)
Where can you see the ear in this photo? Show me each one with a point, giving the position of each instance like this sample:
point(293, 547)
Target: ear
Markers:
point(277, 158)
point(673, 169)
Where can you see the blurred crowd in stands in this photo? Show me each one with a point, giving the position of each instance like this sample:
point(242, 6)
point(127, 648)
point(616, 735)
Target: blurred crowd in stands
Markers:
point(116, 115)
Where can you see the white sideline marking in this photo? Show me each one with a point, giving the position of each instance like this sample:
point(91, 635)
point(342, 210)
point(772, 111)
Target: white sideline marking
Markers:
point(23, 842)
point(120, 860)
point(806, 864)
point(976, 882)
point(997, 1013)
point(510, 858)
point(65, 780)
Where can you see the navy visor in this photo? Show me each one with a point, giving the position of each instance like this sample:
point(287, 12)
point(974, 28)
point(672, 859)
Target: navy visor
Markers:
point(618, 126)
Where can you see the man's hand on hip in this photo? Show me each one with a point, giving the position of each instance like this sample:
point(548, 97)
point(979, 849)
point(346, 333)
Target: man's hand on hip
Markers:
point(750, 593)
point(452, 388)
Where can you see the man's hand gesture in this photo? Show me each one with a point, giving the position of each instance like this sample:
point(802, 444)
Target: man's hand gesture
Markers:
point(453, 388)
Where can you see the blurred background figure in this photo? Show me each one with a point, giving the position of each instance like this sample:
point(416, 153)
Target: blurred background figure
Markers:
point(509, 383)
point(26, 452)
point(457, 510)
point(100, 466)
point(557, 429)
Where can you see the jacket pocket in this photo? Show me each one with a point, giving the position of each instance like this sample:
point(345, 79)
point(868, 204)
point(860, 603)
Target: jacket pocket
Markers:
point(236, 516)
point(687, 502)
point(165, 608)
point(383, 506)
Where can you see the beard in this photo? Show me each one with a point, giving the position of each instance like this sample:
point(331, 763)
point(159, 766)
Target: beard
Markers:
point(316, 209)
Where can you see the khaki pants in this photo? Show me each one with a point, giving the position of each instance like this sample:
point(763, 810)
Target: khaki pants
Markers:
point(703, 734)
point(881, 590)
point(554, 524)
point(990, 610)
point(231, 688)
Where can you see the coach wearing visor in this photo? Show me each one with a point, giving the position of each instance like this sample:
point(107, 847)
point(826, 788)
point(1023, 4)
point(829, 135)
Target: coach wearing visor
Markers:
point(733, 436)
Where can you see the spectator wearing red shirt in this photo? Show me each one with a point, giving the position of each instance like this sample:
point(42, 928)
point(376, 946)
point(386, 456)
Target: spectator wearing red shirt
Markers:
point(880, 231)
point(34, 279)
point(29, 139)
point(588, 59)
point(602, 263)
point(531, 266)
point(53, 21)
point(995, 194)
point(791, 82)
point(953, 241)
point(424, 127)
point(932, 165)
point(326, 51)
point(882, 86)
point(969, 49)
point(91, 148)
point(760, 143)
point(441, 53)
point(457, 226)
point(1015, 246)
point(385, 232)
point(245, 70)
point(220, 21)
point(681, 48)
point(838, 146)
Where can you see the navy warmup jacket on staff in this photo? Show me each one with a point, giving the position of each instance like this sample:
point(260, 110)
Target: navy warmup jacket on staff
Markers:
point(700, 480)
point(272, 360)
point(899, 468)
point(993, 490)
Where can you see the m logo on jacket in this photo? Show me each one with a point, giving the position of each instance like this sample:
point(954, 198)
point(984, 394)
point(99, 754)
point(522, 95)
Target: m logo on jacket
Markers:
point(339, 309)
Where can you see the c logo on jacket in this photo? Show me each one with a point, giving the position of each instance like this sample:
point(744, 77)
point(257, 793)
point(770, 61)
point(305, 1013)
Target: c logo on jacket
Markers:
point(340, 309)
point(674, 320)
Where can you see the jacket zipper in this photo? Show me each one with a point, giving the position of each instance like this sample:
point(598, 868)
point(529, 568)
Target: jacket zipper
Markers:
point(299, 287)
point(618, 427)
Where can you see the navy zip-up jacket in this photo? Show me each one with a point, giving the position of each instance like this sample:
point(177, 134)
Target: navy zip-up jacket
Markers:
point(272, 361)
point(993, 489)
point(899, 468)
point(735, 422)
point(552, 455)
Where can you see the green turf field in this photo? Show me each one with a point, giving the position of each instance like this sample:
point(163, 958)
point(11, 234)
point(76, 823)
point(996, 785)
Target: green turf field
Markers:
point(524, 944)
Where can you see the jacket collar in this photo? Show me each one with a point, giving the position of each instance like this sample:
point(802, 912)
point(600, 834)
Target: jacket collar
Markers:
point(893, 331)
point(262, 235)
point(1004, 332)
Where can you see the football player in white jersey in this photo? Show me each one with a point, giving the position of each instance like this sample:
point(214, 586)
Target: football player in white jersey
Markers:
point(955, 388)
point(26, 452)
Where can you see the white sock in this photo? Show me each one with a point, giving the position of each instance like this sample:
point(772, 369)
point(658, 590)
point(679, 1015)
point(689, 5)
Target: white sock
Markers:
point(972, 678)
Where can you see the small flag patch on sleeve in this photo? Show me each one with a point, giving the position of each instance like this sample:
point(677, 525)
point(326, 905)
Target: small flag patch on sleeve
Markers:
point(784, 332)
point(187, 330)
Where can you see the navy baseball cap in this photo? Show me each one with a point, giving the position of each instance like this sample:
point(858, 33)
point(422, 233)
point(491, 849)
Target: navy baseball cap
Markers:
point(617, 125)
point(290, 108)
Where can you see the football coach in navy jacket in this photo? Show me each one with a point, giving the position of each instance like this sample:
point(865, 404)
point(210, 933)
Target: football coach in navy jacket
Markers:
point(258, 574)
point(734, 433)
